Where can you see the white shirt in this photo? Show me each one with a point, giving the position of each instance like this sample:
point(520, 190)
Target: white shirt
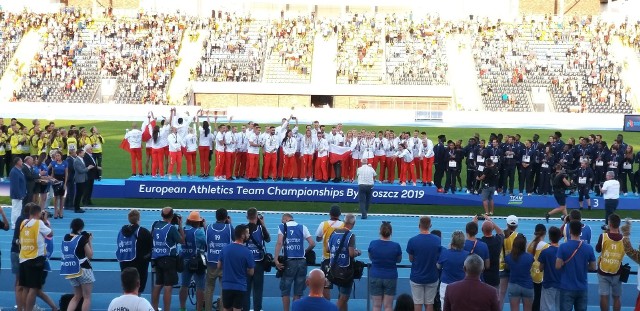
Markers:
point(271, 144)
point(219, 144)
point(308, 145)
point(380, 146)
point(366, 145)
point(290, 146)
point(191, 143)
point(182, 129)
point(162, 137)
point(365, 174)
point(415, 144)
point(134, 137)
point(323, 148)
point(612, 188)
point(406, 155)
point(175, 144)
point(230, 141)
point(281, 130)
point(130, 303)
point(427, 150)
point(255, 139)
point(336, 139)
point(205, 140)
point(241, 142)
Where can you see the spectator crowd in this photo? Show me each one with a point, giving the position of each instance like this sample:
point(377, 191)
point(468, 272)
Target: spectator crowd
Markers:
point(547, 271)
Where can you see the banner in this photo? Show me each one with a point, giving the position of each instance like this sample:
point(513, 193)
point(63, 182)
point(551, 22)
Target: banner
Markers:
point(327, 192)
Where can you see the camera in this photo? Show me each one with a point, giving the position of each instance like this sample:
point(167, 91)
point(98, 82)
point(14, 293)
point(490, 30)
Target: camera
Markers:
point(260, 216)
point(176, 219)
point(480, 217)
point(47, 214)
point(86, 233)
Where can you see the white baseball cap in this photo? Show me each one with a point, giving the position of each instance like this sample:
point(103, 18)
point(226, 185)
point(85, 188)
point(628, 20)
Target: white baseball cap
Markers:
point(512, 220)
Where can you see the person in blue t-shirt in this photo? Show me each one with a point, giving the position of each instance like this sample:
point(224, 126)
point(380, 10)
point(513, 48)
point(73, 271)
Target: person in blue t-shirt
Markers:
point(384, 255)
point(424, 251)
point(195, 243)
point(164, 253)
point(236, 262)
point(574, 259)
point(585, 230)
point(475, 246)
point(519, 263)
point(551, 275)
point(451, 262)
point(315, 301)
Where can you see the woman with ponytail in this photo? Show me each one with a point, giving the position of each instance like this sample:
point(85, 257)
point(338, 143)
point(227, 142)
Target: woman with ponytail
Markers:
point(535, 248)
point(157, 152)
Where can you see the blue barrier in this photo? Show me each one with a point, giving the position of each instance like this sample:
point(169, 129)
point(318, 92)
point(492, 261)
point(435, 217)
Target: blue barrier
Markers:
point(299, 191)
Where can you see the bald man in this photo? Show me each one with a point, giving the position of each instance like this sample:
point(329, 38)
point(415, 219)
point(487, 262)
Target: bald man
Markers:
point(315, 301)
point(494, 243)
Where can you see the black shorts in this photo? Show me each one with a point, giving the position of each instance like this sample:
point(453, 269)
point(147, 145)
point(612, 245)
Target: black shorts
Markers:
point(31, 273)
point(41, 188)
point(561, 198)
point(232, 298)
point(166, 271)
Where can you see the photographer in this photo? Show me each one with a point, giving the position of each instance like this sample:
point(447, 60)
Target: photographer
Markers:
point(584, 179)
point(489, 178)
point(164, 254)
point(219, 235)
point(77, 250)
point(258, 236)
point(195, 243)
point(560, 185)
point(134, 248)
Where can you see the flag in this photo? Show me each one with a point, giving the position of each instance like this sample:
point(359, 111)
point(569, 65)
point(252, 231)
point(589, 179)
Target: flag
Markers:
point(124, 145)
point(147, 128)
point(338, 153)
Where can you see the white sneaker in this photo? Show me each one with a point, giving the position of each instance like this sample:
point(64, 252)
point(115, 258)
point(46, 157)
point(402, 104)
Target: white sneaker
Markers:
point(179, 177)
point(495, 193)
point(468, 192)
point(170, 177)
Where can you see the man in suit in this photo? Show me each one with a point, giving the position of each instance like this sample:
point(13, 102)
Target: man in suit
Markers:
point(92, 174)
point(80, 179)
point(30, 178)
point(71, 185)
point(471, 293)
point(17, 190)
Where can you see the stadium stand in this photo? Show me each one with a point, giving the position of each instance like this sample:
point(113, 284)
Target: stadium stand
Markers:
point(234, 50)
point(66, 70)
point(12, 28)
point(416, 52)
point(290, 50)
point(360, 57)
point(141, 54)
point(570, 58)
